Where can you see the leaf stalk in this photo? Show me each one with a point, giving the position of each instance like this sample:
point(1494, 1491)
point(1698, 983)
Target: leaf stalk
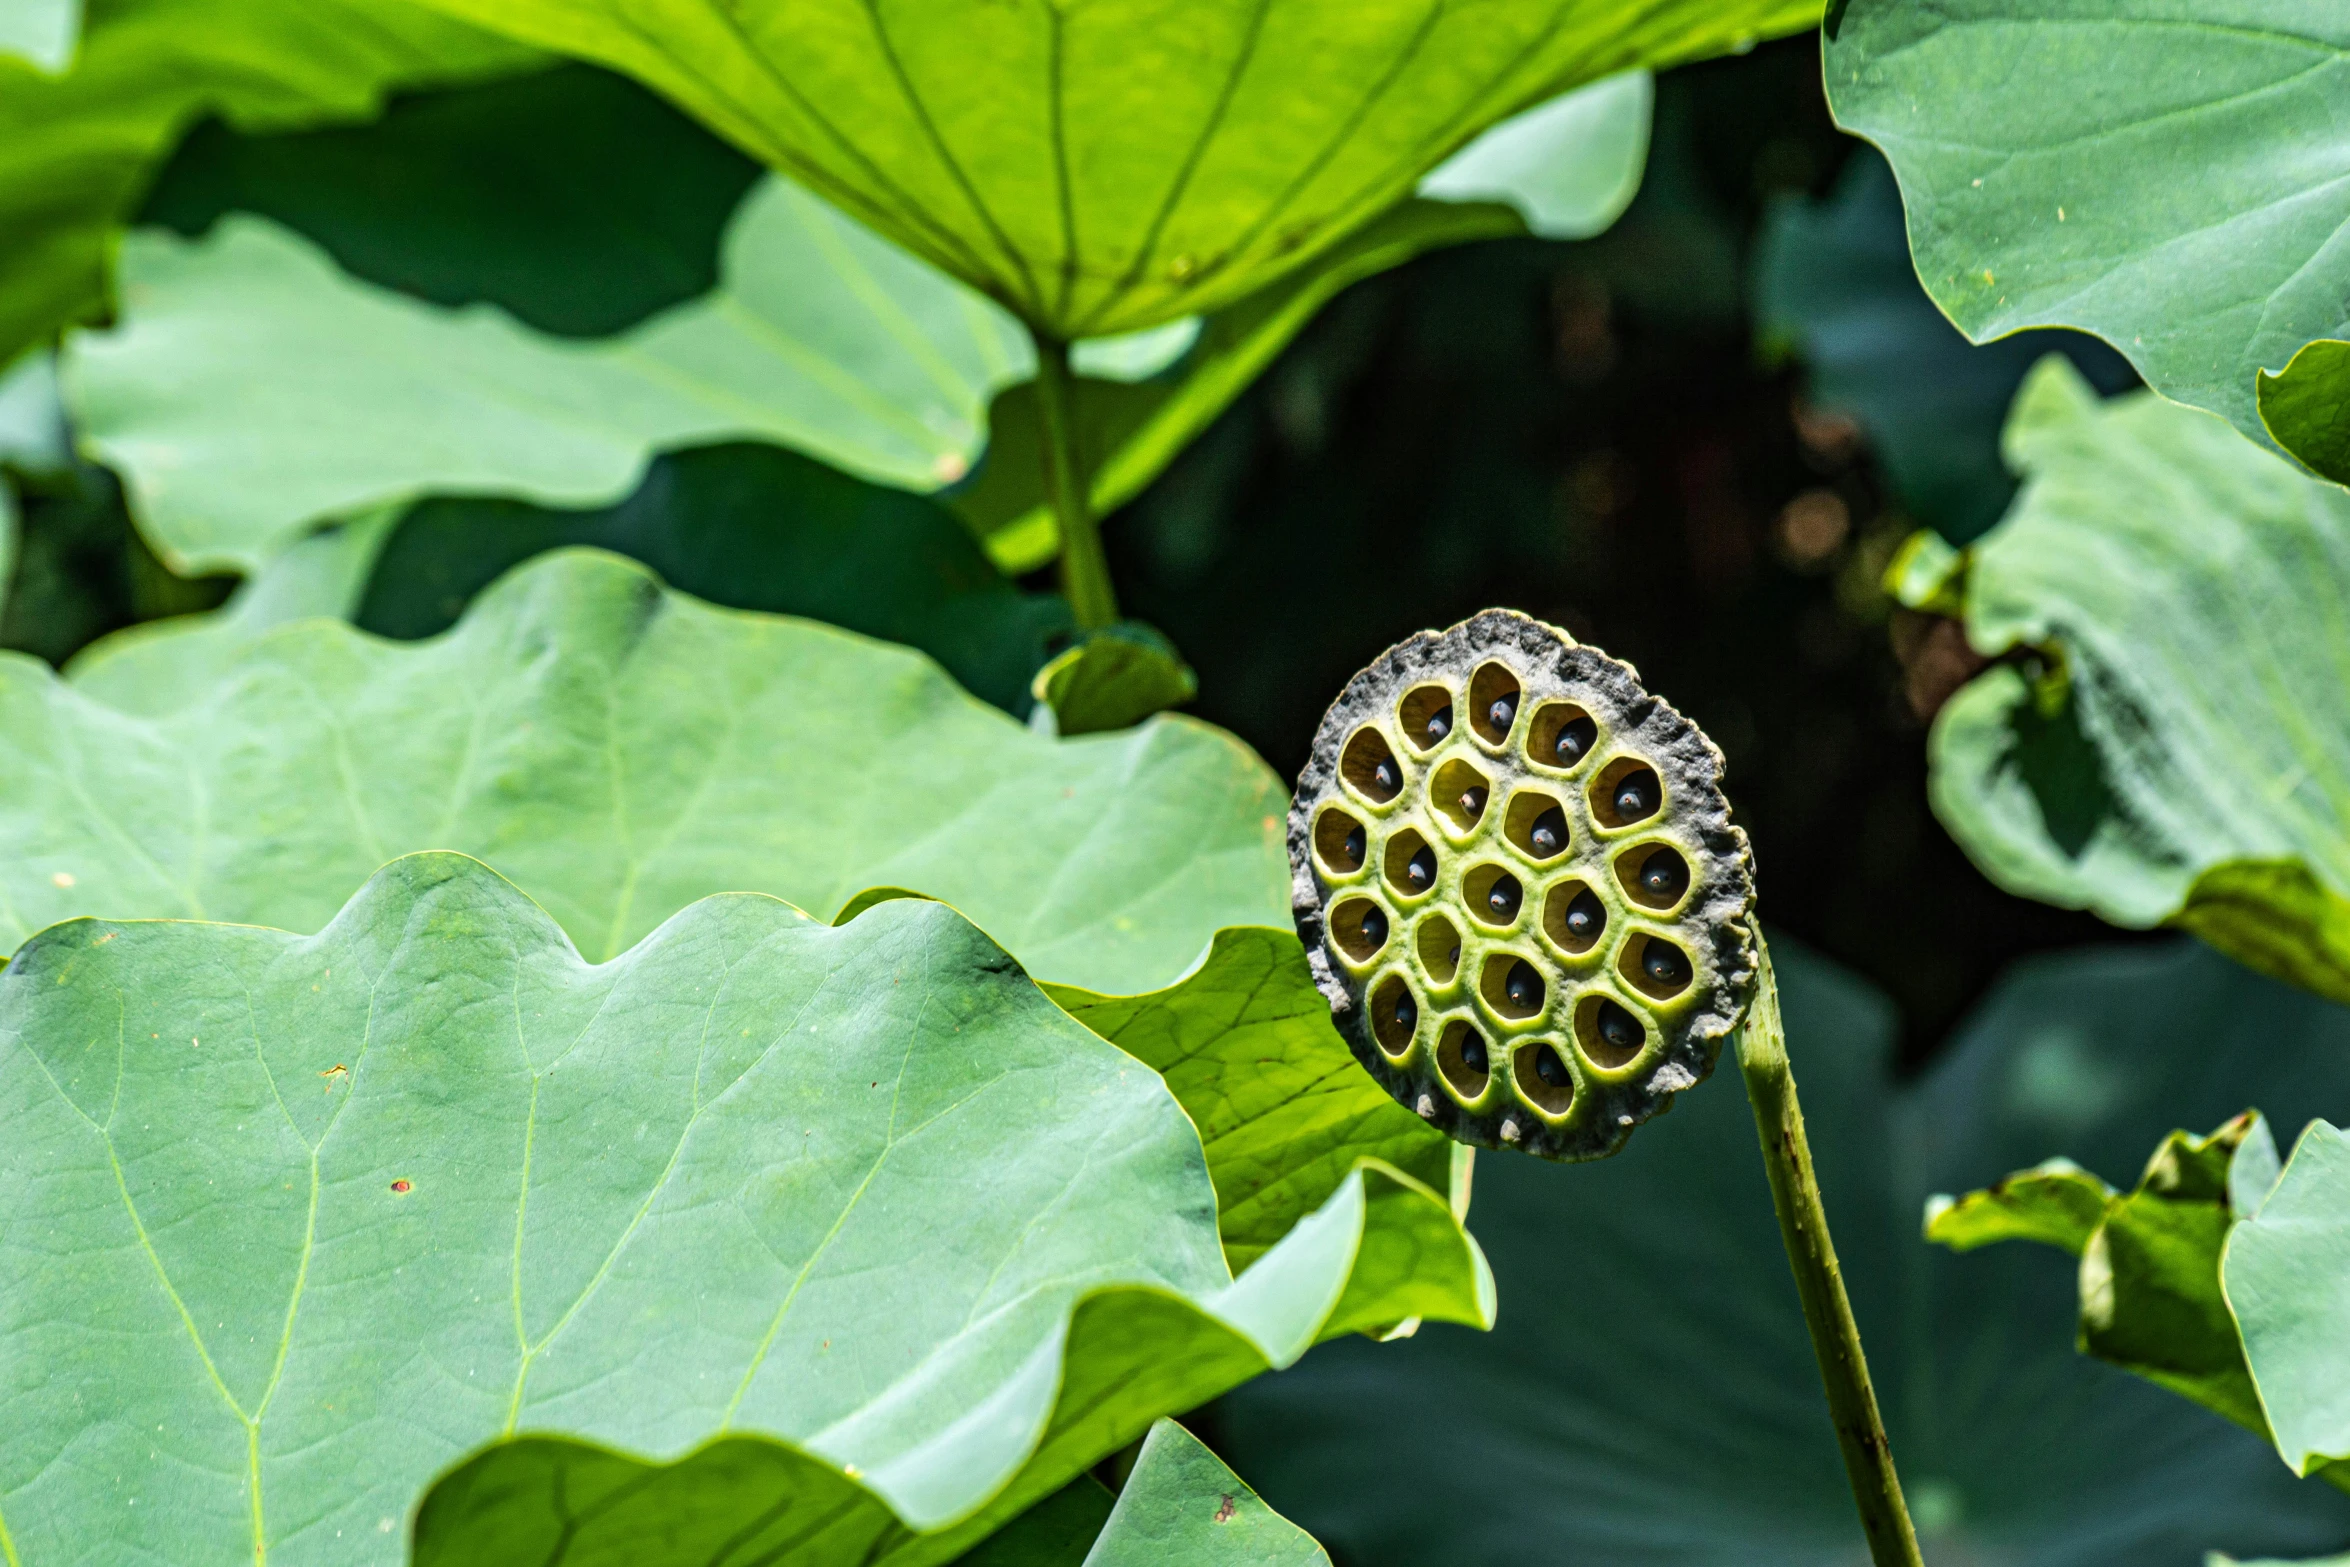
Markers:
point(1085, 569)
point(1811, 1253)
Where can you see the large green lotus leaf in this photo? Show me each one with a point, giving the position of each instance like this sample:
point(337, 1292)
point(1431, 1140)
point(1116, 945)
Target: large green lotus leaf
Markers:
point(253, 387)
point(296, 1222)
point(2287, 1274)
point(2179, 756)
point(1108, 167)
point(621, 751)
point(1832, 281)
point(75, 148)
point(750, 527)
point(540, 1500)
point(1650, 1395)
point(1245, 1041)
point(2164, 173)
point(578, 201)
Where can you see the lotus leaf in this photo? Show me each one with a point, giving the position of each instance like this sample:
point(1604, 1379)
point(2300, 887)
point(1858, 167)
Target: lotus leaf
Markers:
point(621, 751)
point(295, 1222)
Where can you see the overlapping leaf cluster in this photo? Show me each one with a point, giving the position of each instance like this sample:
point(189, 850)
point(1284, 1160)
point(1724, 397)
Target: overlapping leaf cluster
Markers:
point(577, 1086)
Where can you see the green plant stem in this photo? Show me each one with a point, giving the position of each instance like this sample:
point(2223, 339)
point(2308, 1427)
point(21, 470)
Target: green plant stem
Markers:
point(1085, 570)
point(1827, 1311)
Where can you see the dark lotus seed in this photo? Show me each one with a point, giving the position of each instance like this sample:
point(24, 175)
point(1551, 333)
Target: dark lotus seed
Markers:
point(1618, 1027)
point(1503, 713)
point(1473, 801)
point(1473, 1053)
point(1503, 897)
point(1664, 965)
point(1383, 776)
point(1637, 794)
point(1420, 869)
point(1375, 927)
point(1455, 960)
point(1586, 916)
point(1439, 724)
point(1550, 1068)
point(1523, 987)
point(1662, 875)
point(1353, 848)
point(1576, 737)
point(1407, 1011)
point(1549, 832)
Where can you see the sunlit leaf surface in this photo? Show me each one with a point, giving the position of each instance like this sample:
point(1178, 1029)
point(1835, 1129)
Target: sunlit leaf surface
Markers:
point(2171, 177)
point(346, 395)
point(1112, 166)
point(620, 751)
point(293, 1223)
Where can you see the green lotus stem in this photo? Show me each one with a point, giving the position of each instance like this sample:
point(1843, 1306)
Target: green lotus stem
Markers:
point(1085, 570)
point(1827, 1311)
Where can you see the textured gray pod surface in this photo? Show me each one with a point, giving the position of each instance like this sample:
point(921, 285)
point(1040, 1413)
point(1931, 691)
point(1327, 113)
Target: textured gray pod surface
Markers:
point(1532, 941)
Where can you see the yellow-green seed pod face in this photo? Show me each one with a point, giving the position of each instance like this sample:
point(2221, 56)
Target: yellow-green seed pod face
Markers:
point(1519, 886)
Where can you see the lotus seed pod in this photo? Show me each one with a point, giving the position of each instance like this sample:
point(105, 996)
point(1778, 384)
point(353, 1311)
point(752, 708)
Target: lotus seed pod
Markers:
point(1529, 910)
